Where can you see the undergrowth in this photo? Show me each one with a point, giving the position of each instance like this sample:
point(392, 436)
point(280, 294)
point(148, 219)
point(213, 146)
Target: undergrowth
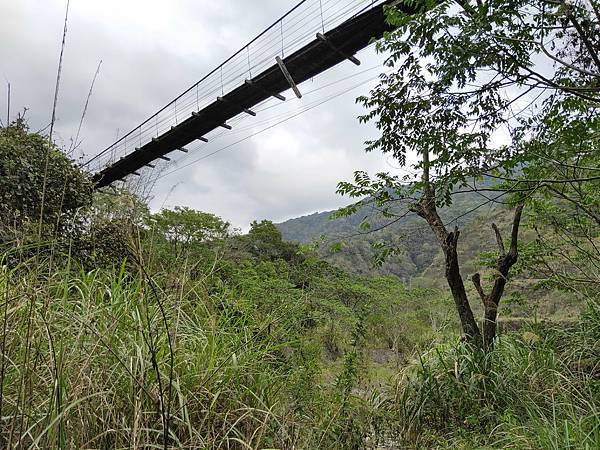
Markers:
point(540, 388)
point(224, 358)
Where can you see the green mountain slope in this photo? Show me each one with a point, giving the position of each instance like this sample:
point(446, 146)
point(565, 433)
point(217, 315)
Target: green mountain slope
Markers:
point(420, 261)
point(410, 234)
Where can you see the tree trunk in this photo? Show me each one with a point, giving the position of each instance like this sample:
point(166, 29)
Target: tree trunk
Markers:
point(449, 242)
point(426, 208)
point(503, 264)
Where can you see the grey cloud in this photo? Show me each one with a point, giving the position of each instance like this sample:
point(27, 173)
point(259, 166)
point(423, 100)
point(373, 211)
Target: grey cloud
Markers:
point(290, 170)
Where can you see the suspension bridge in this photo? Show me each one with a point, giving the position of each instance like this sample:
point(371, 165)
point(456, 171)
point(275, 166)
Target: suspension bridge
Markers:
point(314, 36)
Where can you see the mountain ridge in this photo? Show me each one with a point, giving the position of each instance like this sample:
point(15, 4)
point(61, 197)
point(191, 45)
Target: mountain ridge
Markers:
point(417, 247)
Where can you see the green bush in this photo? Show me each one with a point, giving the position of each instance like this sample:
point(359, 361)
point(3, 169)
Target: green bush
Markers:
point(34, 172)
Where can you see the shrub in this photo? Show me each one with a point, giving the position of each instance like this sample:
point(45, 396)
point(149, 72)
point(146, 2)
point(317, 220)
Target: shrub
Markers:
point(32, 172)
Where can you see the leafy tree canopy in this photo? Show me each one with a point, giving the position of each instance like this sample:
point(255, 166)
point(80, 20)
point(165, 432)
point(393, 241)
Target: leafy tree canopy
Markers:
point(509, 90)
point(32, 169)
point(186, 226)
point(486, 88)
point(264, 241)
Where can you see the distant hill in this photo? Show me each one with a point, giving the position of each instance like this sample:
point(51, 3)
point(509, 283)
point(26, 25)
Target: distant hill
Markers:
point(421, 262)
point(410, 233)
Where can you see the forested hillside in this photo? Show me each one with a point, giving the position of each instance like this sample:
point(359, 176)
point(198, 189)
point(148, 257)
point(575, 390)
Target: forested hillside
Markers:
point(417, 246)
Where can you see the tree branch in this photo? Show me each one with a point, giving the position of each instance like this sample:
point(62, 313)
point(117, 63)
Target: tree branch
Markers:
point(514, 235)
point(578, 204)
point(499, 240)
point(554, 84)
point(563, 181)
point(476, 279)
point(555, 58)
point(585, 40)
point(594, 5)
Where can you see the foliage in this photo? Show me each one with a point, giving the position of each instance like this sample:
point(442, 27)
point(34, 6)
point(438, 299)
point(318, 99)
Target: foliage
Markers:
point(408, 238)
point(166, 329)
point(221, 344)
point(112, 229)
point(34, 172)
point(458, 71)
point(264, 241)
point(567, 224)
point(186, 227)
point(539, 389)
point(231, 362)
point(120, 206)
point(233, 341)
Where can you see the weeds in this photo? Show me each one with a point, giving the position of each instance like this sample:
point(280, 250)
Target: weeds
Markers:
point(111, 358)
point(538, 389)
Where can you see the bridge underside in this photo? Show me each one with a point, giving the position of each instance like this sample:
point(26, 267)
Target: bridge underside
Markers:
point(311, 60)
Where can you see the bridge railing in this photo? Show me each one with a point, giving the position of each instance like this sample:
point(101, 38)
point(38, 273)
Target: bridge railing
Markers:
point(291, 32)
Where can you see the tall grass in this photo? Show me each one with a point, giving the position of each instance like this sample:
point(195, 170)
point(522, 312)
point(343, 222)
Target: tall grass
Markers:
point(232, 355)
point(87, 362)
point(538, 389)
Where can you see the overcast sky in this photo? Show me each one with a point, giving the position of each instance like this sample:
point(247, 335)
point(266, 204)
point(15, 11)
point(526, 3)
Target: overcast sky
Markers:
point(151, 51)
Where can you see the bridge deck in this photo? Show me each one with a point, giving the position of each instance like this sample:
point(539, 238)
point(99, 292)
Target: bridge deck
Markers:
point(311, 60)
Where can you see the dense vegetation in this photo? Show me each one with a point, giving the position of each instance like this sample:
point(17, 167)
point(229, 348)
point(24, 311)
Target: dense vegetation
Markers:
point(452, 99)
point(128, 328)
point(140, 323)
point(419, 262)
